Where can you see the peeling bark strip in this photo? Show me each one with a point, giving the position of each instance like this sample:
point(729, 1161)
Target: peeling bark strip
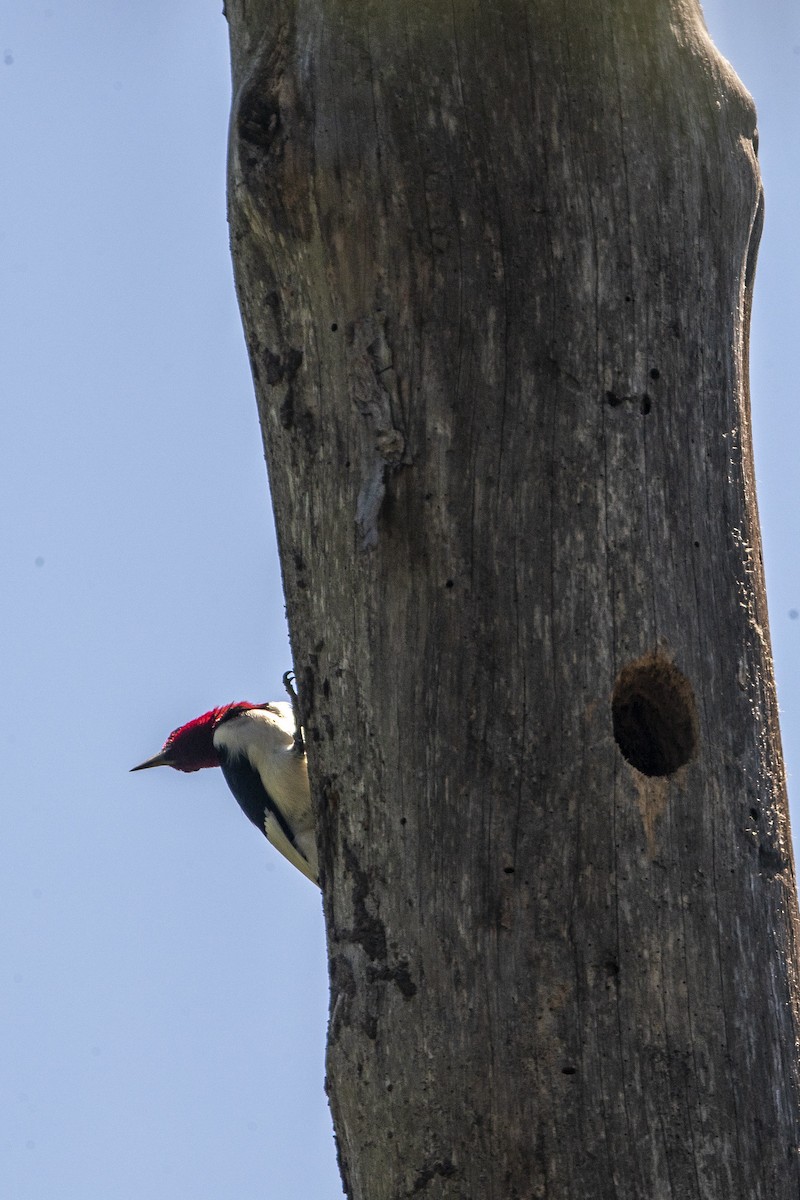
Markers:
point(375, 391)
point(495, 266)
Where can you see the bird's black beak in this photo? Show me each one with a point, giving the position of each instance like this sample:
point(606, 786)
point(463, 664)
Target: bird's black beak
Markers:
point(158, 760)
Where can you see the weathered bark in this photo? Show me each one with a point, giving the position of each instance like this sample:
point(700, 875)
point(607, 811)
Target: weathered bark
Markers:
point(494, 263)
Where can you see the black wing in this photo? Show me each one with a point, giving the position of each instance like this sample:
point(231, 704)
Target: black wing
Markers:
point(253, 798)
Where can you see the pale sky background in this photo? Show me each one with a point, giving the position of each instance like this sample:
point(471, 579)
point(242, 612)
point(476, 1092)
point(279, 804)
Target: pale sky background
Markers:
point(163, 987)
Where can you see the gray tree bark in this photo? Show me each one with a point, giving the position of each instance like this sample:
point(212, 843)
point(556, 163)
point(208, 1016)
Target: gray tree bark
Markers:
point(494, 263)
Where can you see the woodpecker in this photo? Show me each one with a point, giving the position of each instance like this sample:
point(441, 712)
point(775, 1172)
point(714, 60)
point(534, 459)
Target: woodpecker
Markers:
point(260, 749)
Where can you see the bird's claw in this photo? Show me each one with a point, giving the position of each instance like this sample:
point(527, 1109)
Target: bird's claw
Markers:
point(288, 682)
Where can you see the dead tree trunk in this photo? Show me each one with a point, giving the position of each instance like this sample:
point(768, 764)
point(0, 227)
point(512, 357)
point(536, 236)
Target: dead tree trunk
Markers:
point(494, 262)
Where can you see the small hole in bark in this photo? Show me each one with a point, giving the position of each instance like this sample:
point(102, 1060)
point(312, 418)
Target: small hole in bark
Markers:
point(655, 373)
point(334, 327)
point(654, 717)
point(508, 870)
point(569, 1070)
point(646, 404)
point(755, 813)
point(449, 584)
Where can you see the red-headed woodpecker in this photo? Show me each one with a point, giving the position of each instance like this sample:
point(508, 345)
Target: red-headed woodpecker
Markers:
point(260, 750)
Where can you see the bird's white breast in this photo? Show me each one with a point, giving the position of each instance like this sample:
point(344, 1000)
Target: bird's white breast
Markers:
point(265, 736)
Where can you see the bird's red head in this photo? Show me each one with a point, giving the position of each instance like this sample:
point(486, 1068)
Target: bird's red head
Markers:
point(191, 747)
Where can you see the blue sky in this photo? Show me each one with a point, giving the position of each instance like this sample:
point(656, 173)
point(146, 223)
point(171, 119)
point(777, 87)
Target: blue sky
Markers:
point(163, 989)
